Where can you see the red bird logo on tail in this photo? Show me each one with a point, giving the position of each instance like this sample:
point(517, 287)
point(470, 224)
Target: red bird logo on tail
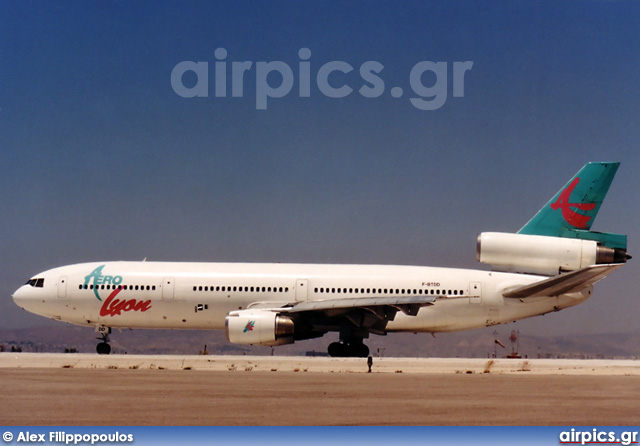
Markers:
point(573, 218)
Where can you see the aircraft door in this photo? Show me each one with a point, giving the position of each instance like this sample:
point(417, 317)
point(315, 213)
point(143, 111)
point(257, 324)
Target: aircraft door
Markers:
point(62, 287)
point(168, 287)
point(475, 292)
point(301, 289)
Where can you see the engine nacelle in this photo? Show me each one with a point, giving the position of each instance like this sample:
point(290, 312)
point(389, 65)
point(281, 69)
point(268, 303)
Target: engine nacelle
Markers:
point(536, 254)
point(259, 327)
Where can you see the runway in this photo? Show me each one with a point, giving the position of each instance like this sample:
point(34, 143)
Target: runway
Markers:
point(58, 389)
point(322, 364)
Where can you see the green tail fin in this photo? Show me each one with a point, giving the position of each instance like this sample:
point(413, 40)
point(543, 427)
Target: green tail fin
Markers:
point(571, 212)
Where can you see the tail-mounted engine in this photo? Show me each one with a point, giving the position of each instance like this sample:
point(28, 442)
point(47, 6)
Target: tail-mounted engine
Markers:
point(535, 254)
point(259, 327)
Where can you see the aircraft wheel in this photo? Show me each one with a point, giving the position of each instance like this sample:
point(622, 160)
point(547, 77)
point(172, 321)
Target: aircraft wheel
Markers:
point(337, 350)
point(341, 350)
point(360, 351)
point(103, 348)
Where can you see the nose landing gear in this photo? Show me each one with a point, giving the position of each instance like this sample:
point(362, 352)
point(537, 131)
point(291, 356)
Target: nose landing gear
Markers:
point(103, 348)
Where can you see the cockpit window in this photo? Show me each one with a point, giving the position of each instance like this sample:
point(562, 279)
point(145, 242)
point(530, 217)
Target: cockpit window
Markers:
point(38, 283)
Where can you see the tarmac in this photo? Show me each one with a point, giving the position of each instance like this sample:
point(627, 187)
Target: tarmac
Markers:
point(88, 389)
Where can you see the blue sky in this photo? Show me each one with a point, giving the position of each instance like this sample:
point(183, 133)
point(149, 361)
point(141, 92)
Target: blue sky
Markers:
point(102, 160)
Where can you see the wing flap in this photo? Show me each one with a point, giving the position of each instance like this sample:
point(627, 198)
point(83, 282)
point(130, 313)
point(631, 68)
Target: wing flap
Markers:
point(564, 283)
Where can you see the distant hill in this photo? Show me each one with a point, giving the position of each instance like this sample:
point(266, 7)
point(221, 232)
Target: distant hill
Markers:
point(476, 343)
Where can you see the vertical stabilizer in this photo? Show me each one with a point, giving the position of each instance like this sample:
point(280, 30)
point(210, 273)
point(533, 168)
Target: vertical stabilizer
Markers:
point(573, 209)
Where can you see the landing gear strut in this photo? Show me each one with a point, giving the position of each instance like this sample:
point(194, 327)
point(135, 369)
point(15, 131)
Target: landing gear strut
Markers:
point(103, 348)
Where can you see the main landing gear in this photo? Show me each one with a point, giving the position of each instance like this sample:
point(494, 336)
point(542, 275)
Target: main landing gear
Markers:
point(103, 348)
point(355, 349)
point(352, 333)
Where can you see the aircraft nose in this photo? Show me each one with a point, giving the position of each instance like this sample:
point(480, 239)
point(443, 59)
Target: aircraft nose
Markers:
point(22, 297)
point(18, 297)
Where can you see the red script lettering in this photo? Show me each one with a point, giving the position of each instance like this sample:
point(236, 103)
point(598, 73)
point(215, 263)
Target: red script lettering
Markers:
point(114, 307)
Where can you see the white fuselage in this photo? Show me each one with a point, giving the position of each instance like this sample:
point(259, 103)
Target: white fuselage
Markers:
point(200, 295)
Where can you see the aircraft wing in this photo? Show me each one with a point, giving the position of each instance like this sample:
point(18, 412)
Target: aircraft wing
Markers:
point(407, 304)
point(369, 314)
point(564, 283)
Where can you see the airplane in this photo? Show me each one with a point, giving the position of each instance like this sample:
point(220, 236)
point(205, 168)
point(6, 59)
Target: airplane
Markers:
point(550, 264)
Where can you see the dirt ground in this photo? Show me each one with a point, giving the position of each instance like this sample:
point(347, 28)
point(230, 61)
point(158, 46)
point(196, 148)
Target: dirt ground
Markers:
point(189, 397)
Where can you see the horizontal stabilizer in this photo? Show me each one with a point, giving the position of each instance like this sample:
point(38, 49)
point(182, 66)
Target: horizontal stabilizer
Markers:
point(564, 283)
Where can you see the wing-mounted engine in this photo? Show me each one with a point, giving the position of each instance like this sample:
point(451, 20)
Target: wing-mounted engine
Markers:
point(535, 254)
point(259, 327)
